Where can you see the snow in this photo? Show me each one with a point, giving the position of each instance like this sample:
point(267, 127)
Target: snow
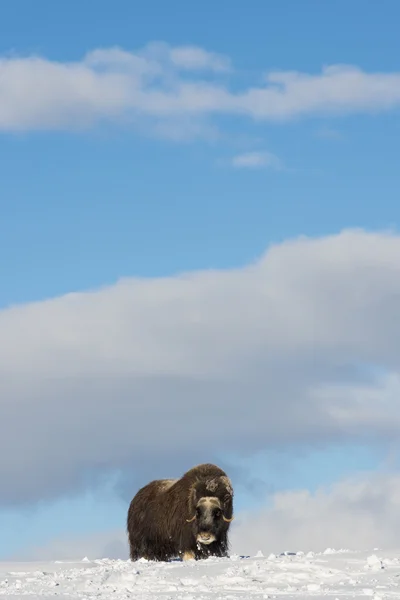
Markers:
point(332, 575)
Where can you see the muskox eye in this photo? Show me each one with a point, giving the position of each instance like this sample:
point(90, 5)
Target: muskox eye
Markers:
point(217, 514)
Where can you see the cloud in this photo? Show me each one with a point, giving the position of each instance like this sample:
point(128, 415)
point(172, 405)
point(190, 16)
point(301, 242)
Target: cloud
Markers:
point(358, 513)
point(136, 376)
point(103, 544)
point(192, 58)
point(257, 160)
point(160, 83)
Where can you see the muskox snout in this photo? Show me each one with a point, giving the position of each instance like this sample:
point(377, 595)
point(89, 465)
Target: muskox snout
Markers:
point(205, 537)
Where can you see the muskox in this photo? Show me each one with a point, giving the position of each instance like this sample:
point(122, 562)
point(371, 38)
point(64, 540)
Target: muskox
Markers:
point(187, 517)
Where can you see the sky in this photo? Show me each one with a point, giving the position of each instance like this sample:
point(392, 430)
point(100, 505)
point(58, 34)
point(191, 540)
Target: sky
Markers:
point(200, 250)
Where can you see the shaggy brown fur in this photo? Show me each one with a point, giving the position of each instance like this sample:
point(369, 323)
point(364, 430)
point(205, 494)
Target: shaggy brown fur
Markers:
point(187, 517)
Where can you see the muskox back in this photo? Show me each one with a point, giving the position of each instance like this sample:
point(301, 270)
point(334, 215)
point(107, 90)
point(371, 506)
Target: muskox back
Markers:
point(166, 515)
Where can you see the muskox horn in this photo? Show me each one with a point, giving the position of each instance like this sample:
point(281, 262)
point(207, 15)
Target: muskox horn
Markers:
point(227, 520)
point(191, 520)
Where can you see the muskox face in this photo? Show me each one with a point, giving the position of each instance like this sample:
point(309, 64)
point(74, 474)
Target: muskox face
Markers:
point(212, 505)
point(209, 523)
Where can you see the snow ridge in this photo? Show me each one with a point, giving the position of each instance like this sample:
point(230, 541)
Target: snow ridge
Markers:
point(332, 575)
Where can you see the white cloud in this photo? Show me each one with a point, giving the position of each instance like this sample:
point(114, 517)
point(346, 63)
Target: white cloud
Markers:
point(154, 84)
point(133, 375)
point(257, 160)
point(193, 58)
point(358, 513)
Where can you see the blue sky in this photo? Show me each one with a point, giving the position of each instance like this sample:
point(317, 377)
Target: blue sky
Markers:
point(105, 202)
point(82, 209)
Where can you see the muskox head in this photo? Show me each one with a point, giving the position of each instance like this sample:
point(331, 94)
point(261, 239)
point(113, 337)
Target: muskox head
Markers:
point(210, 509)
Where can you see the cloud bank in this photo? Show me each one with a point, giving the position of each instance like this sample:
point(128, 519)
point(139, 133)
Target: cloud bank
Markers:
point(150, 376)
point(169, 86)
point(359, 513)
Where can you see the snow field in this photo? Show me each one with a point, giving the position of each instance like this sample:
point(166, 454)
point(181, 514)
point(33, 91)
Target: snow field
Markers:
point(330, 575)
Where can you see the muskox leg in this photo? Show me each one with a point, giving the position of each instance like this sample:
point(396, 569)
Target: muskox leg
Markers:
point(134, 554)
point(188, 555)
